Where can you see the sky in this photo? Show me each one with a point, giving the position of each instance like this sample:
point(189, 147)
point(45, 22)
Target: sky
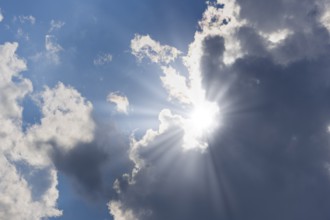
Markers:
point(157, 110)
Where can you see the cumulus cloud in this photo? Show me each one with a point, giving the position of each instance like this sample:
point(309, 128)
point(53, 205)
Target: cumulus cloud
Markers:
point(121, 102)
point(10, 67)
point(29, 176)
point(16, 190)
point(66, 118)
point(17, 201)
point(268, 73)
point(102, 59)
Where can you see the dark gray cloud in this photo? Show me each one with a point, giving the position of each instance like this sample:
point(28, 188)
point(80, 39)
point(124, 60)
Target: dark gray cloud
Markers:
point(213, 48)
point(93, 167)
point(83, 164)
point(270, 158)
point(269, 16)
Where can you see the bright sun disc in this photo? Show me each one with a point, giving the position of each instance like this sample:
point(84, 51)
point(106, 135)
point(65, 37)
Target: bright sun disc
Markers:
point(204, 118)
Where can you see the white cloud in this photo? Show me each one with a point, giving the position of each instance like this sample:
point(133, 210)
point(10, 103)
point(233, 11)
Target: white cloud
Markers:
point(66, 118)
point(27, 19)
point(52, 48)
point(119, 213)
point(11, 93)
point(55, 25)
point(176, 85)
point(121, 102)
point(16, 200)
point(144, 46)
point(102, 59)
point(66, 121)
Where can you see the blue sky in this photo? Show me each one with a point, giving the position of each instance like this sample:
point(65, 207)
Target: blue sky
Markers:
point(138, 110)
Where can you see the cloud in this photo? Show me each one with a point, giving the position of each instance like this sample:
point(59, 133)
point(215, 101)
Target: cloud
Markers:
point(117, 212)
point(55, 25)
point(26, 19)
point(92, 167)
point(1, 15)
point(17, 201)
point(84, 165)
point(176, 85)
point(17, 198)
point(173, 81)
point(102, 59)
point(66, 118)
point(52, 48)
point(21, 34)
point(167, 177)
point(10, 67)
point(325, 16)
point(29, 172)
point(144, 46)
point(121, 102)
point(268, 73)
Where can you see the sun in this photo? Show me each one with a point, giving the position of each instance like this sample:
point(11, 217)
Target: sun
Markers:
point(204, 118)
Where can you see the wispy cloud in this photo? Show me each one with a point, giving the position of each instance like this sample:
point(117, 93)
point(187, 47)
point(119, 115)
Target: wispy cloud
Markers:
point(21, 34)
point(55, 25)
point(102, 59)
point(52, 48)
point(26, 19)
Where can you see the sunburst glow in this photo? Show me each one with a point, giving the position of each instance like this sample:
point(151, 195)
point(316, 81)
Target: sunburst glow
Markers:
point(204, 117)
point(202, 121)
